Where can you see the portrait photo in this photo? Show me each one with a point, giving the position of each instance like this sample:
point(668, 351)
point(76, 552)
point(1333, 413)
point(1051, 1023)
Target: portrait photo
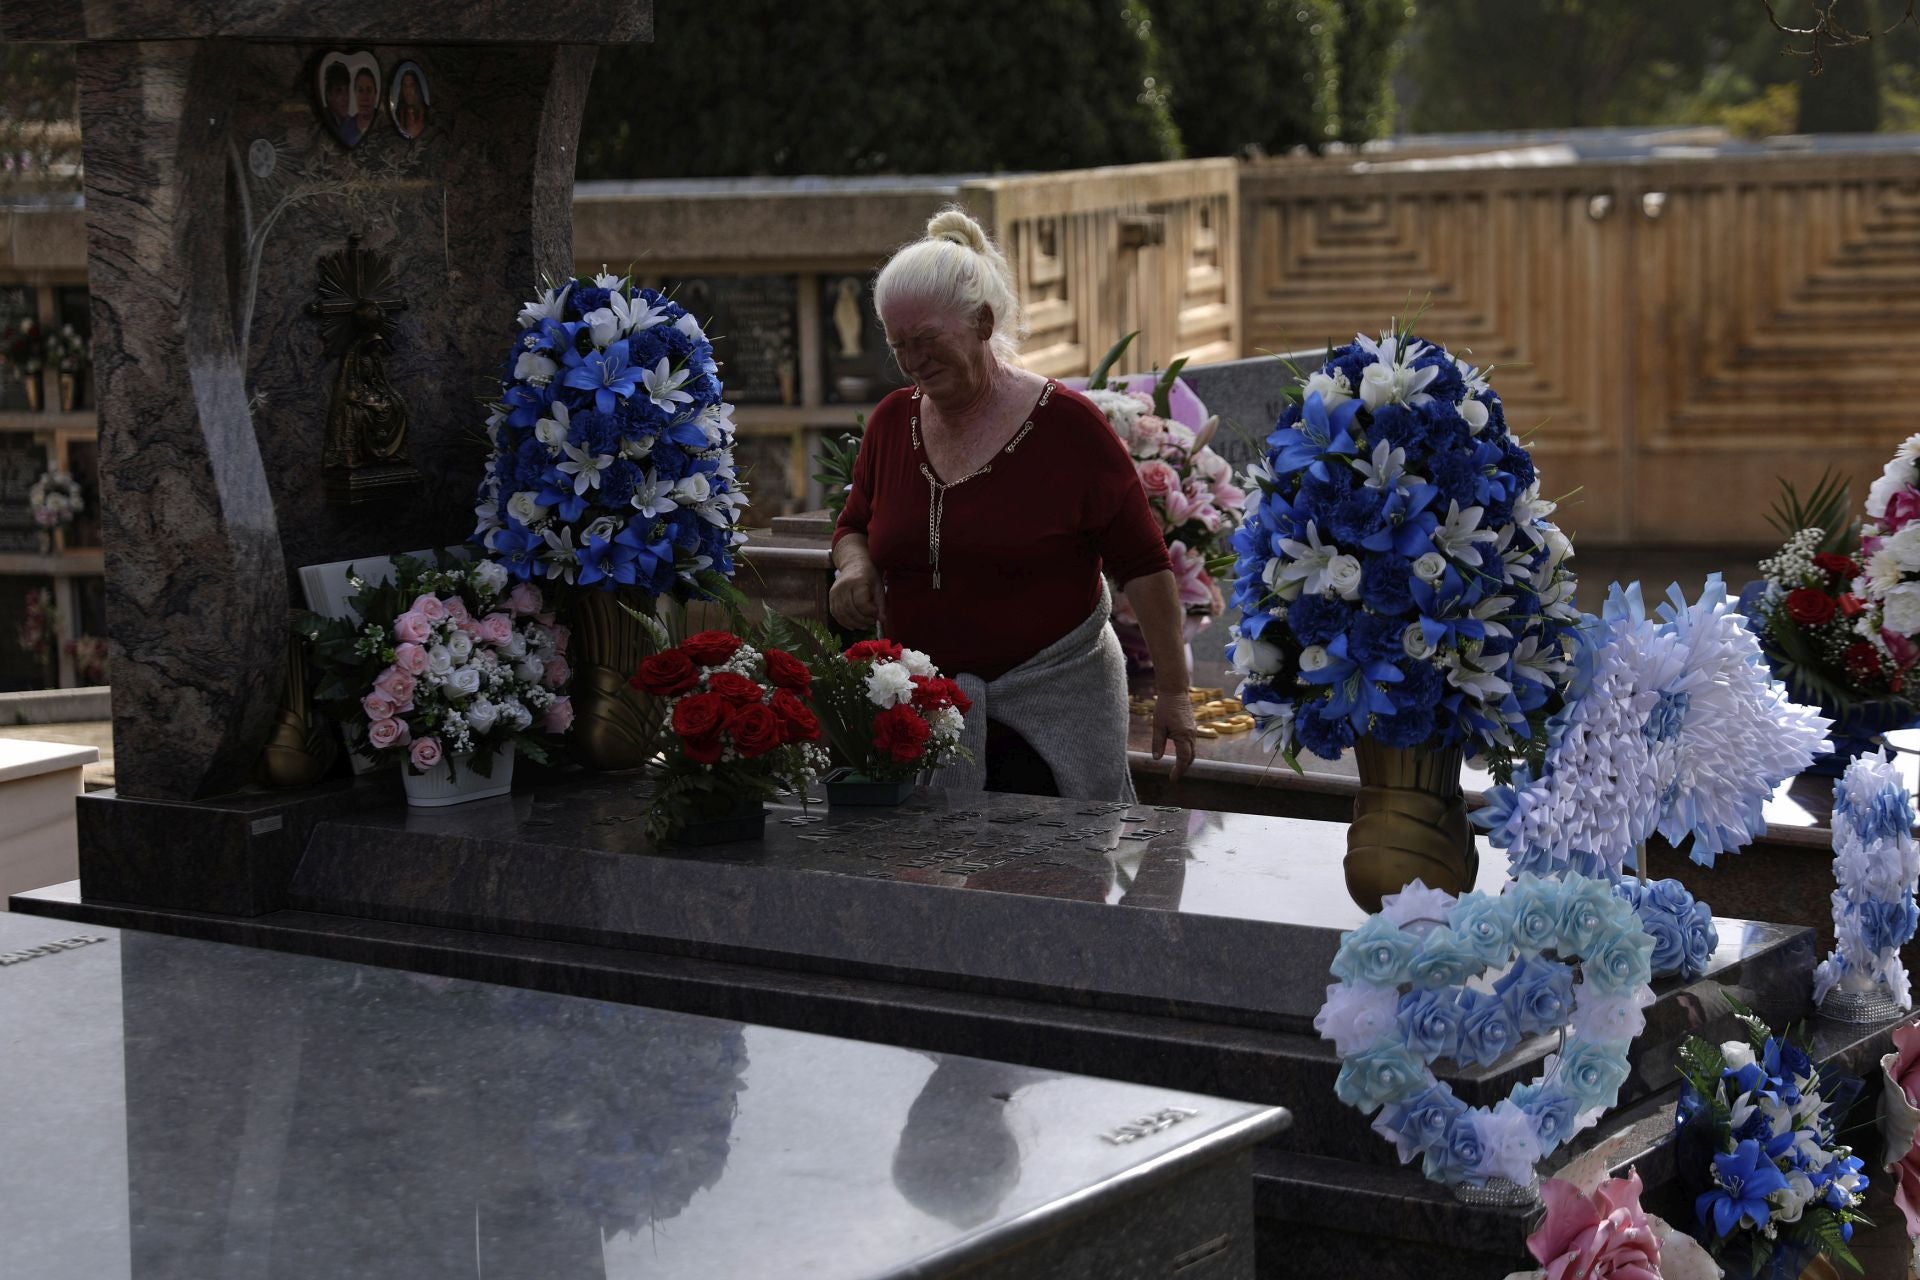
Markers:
point(407, 98)
point(349, 94)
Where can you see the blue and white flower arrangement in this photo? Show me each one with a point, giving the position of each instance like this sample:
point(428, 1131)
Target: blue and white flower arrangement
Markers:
point(612, 462)
point(1397, 574)
point(1470, 979)
point(1673, 725)
point(1877, 868)
point(1777, 1187)
point(1682, 928)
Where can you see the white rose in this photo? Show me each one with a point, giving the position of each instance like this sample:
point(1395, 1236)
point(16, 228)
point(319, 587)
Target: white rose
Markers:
point(1332, 388)
point(535, 368)
point(439, 660)
point(550, 433)
point(1343, 574)
point(889, 684)
point(490, 577)
point(525, 507)
point(692, 489)
point(603, 528)
point(516, 646)
point(1902, 616)
point(516, 716)
point(530, 668)
point(481, 715)
point(917, 663)
point(636, 448)
point(1737, 1054)
point(1377, 385)
point(1313, 657)
point(605, 326)
point(465, 681)
point(1430, 567)
point(1252, 657)
point(1898, 474)
point(1413, 641)
point(460, 645)
point(1474, 414)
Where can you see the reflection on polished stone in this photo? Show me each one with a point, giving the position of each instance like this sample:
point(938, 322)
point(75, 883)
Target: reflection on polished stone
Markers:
point(189, 1109)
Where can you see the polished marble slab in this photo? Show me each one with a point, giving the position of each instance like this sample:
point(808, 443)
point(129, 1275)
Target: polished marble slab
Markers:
point(186, 1108)
point(1231, 917)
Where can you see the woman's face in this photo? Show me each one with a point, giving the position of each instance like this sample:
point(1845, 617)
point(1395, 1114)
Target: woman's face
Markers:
point(947, 356)
point(410, 90)
point(364, 93)
point(337, 101)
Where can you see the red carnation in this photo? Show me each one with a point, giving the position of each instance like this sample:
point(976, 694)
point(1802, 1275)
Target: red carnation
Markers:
point(755, 729)
point(901, 734)
point(886, 650)
point(735, 688)
point(787, 672)
point(930, 693)
point(797, 721)
point(1838, 565)
point(711, 648)
point(1809, 607)
point(665, 674)
point(1863, 661)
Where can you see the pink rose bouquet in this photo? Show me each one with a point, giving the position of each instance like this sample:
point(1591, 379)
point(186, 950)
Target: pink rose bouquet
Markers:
point(1190, 488)
point(445, 668)
point(1604, 1234)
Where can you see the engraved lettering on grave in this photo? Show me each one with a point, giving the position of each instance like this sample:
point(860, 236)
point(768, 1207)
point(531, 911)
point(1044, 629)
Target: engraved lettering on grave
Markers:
point(47, 949)
point(753, 322)
point(1148, 1125)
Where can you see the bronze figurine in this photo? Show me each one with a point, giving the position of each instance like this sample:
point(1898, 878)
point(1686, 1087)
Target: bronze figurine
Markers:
point(365, 454)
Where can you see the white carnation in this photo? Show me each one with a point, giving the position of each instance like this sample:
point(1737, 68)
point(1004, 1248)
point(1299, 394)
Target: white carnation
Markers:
point(917, 663)
point(1902, 616)
point(889, 684)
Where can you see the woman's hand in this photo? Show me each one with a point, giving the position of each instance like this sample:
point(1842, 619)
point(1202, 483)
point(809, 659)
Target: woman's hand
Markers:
point(1173, 719)
point(854, 599)
point(1156, 604)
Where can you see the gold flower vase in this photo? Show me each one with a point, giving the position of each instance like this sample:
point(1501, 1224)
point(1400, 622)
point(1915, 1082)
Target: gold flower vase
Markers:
point(614, 724)
point(1409, 823)
point(304, 743)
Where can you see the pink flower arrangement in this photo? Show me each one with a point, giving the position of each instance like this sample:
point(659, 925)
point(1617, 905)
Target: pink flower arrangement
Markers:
point(1899, 1116)
point(446, 667)
point(1604, 1234)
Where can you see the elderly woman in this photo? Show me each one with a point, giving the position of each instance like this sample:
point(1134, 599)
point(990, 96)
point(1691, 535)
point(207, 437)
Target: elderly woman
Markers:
point(986, 503)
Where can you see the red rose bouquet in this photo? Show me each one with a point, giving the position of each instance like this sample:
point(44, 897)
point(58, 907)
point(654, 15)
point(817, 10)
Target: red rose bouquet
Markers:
point(738, 727)
point(888, 711)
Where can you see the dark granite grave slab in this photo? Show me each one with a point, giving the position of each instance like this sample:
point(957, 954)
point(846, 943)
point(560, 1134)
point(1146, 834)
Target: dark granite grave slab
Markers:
point(185, 1108)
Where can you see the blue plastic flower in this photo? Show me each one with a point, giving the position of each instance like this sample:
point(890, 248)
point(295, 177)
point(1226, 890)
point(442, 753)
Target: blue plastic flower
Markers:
point(1745, 1179)
point(1429, 1023)
point(1482, 923)
point(1354, 687)
point(1619, 960)
point(1538, 994)
point(1590, 1073)
point(1378, 953)
point(1487, 1031)
point(1443, 960)
point(605, 373)
point(1385, 1073)
point(1454, 1159)
point(1320, 432)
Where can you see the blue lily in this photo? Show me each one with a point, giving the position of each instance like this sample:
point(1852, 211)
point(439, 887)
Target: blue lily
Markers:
point(1444, 610)
point(518, 549)
point(556, 491)
point(1409, 525)
point(686, 433)
point(651, 563)
point(1320, 432)
point(608, 374)
point(1746, 1179)
point(1355, 686)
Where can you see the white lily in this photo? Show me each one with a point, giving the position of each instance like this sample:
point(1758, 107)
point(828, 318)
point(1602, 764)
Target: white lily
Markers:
point(534, 368)
point(663, 384)
point(1387, 470)
point(636, 313)
point(548, 306)
point(721, 509)
point(1306, 563)
point(584, 466)
point(606, 279)
point(1461, 533)
point(1489, 609)
point(653, 496)
point(563, 560)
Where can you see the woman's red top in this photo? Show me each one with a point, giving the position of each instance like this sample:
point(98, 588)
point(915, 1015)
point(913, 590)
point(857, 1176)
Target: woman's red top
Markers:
point(1020, 543)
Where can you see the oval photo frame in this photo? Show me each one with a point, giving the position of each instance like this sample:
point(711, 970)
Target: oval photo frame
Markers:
point(347, 90)
point(409, 96)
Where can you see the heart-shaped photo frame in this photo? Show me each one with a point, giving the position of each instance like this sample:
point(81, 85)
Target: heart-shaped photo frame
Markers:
point(348, 93)
point(1468, 979)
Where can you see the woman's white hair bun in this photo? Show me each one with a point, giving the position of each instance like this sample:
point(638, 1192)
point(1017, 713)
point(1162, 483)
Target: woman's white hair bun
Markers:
point(957, 226)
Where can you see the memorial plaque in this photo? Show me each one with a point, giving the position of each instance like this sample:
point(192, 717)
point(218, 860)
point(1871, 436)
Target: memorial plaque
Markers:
point(754, 324)
point(856, 367)
point(22, 462)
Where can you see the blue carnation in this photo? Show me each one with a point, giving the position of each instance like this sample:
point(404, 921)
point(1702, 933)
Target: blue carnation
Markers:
point(1422, 688)
point(617, 483)
point(1373, 638)
point(1385, 587)
point(586, 298)
point(1324, 735)
point(1448, 386)
point(1403, 729)
point(1400, 427)
point(1453, 474)
point(669, 463)
point(1357, 517)
point(595, 431)
point(1318, 619)
point(646, 347)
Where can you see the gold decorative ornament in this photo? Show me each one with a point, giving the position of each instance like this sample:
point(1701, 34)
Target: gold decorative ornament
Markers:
point(614, 724)
point(1215, 714)
point(1409, 823)
point(303, 744)
point(365, 454)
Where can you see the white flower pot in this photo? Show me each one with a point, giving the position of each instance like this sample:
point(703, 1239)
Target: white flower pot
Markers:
point(439, 787)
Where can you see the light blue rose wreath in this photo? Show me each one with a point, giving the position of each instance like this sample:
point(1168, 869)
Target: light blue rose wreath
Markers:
point(1469, 979)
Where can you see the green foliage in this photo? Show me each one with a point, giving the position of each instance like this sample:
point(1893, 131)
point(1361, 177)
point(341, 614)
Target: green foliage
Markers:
point(1367, 53)
point(867, 86)
point(1828, 508)
point(835, 460)
point(1097, 380)
point(1253, 73)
